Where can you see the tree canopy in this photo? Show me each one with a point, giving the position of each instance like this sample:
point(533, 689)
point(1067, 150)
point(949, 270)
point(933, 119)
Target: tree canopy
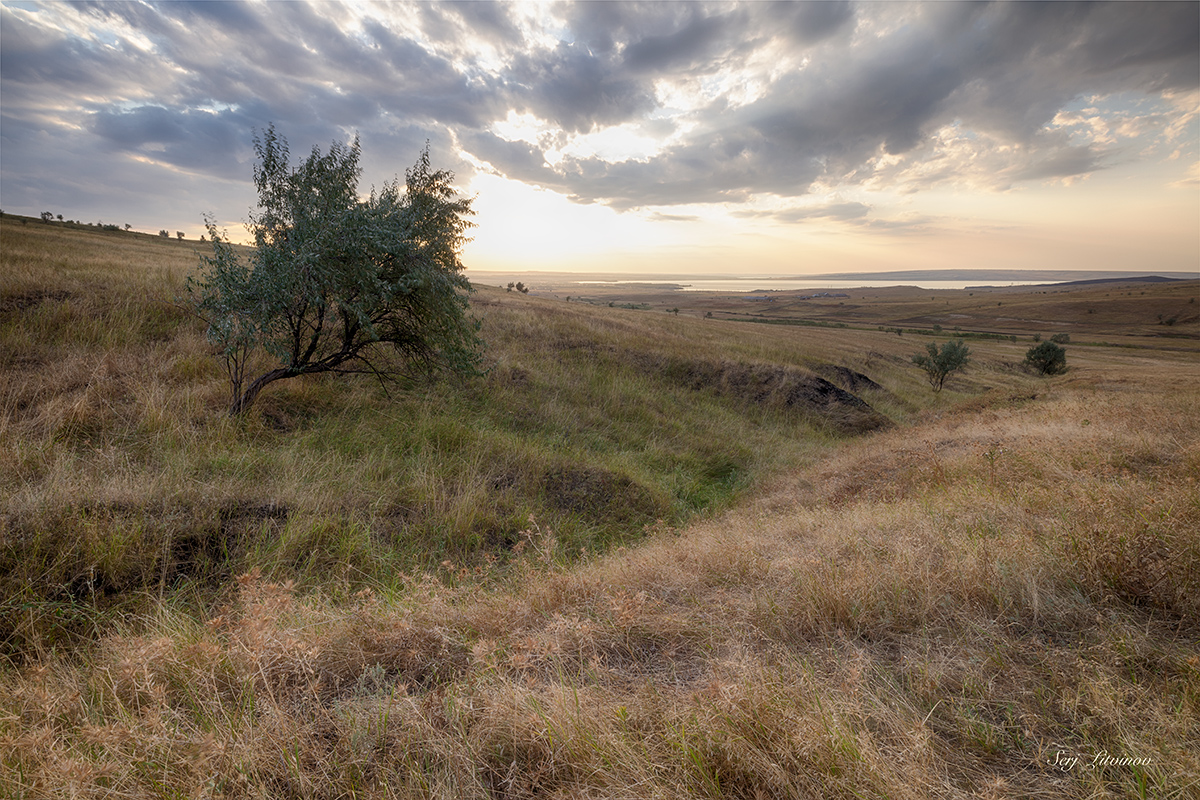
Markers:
point(1047, 358)
point(336, 283)
point(938, 364)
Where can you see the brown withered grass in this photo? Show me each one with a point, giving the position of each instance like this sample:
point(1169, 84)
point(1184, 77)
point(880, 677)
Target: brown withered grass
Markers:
point(956, 607)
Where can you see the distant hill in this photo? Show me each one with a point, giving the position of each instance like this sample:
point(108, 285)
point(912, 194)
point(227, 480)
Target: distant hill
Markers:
point(992, 276)
point(1097, 281)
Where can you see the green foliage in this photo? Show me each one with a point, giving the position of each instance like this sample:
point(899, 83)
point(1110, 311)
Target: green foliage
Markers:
point(1047, 358)
point(333, 279)
point(938, 364)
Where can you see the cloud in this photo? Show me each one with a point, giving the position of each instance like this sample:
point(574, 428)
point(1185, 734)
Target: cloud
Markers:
point(748, 100)
point(695, 42)
point(658, 216)
point(808, 23)
point(1065, 162)
point(575, 89)
point(830, 211)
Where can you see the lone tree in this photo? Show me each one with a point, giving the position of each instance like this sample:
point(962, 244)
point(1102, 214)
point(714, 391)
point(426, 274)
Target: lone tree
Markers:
point(939, 364)
point(338, 284)
point(1047, 358)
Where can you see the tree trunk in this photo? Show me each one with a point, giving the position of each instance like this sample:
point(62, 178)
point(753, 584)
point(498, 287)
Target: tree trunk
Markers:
point(247, 398)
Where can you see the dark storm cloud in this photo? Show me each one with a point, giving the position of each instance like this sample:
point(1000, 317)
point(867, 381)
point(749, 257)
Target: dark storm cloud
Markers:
point(782, 94)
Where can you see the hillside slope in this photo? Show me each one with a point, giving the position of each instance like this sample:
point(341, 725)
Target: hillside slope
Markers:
point(122, 475)
point(993, 593)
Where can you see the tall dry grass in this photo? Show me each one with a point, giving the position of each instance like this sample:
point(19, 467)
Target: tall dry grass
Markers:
point(998, 600)
point(123, 483)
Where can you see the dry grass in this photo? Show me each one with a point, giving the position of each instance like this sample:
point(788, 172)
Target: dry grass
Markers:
point(953, 608)
point(122, 481)
point(957, 606)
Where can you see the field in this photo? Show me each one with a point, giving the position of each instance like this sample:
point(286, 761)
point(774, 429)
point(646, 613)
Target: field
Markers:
point(742, 550)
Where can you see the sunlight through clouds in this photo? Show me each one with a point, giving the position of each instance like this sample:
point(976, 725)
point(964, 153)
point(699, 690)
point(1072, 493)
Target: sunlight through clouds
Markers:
point(851, 119)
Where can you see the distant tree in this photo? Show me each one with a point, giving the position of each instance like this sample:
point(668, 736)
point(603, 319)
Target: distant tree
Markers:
point(47, 216)
point(164, 234)
point(511, 286)
point(58, 217)
point(1061, 338)
point(938, 364)
point(127, 226)
point(522, 288)
point(1047, 358)
point(332, 279)
point(178, 234)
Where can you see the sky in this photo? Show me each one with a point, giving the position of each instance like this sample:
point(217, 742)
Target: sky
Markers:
point(665, 138)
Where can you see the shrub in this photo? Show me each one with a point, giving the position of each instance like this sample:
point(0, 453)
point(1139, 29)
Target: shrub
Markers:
point(332, 278)
point(938, 364)
point(1047, 358)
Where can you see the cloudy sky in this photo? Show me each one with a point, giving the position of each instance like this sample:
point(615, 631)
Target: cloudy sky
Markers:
point(666, 138)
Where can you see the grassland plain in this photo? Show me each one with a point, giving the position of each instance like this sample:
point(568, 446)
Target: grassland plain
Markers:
point(993, 594)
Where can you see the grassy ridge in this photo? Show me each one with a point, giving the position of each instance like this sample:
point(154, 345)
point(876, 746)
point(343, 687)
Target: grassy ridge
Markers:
point(121, 476)
point(955, 606)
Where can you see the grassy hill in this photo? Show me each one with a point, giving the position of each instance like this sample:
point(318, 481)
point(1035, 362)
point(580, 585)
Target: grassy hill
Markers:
point(1128, 312)
point(646, 555)
point(592, 421)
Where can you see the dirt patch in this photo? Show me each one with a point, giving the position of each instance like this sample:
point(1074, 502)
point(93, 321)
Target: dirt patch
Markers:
point(848, 379)
point(781, 387)
point(26, 300)
point(599, 494)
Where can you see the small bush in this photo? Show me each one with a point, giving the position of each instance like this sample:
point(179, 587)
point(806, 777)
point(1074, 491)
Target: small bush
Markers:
point(1047, 358)
point(938, 364)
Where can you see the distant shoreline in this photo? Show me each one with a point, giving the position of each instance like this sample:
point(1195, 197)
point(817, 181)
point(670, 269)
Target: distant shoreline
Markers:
point(923, 279)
